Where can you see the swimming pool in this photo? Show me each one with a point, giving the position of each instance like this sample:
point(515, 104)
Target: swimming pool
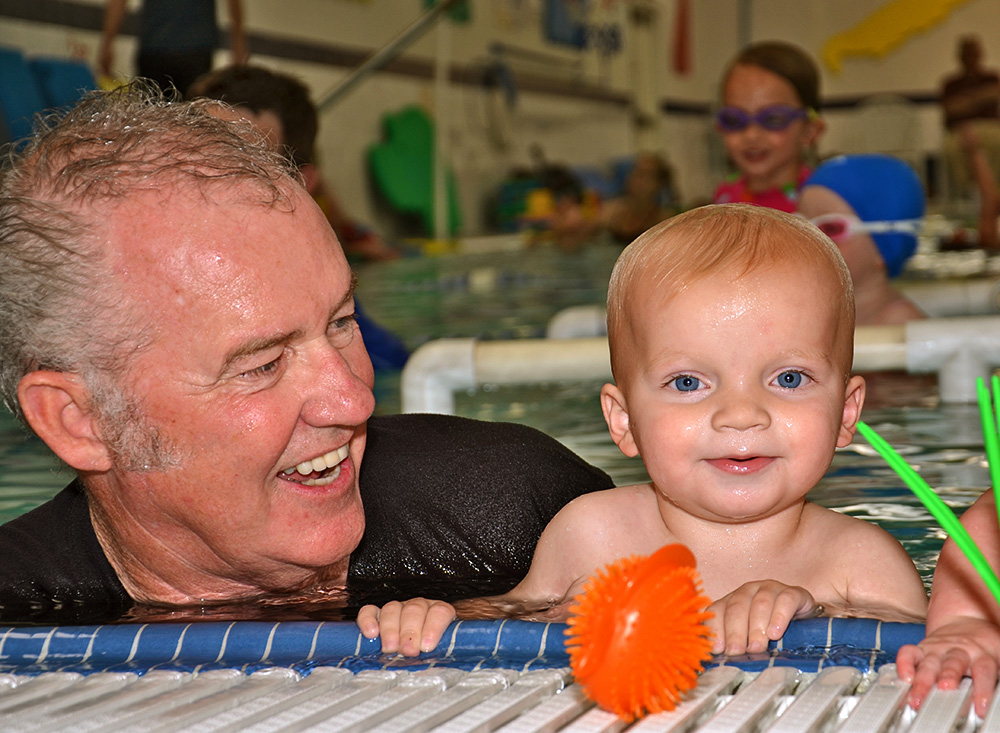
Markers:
point(942, 441)
point(513, 293)
point(498, 295)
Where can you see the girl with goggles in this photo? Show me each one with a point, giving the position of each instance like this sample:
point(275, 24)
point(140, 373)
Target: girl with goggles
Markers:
point(768, 124)
point(775, 118)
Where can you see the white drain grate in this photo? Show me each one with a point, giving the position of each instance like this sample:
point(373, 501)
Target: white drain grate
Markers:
point(452, 700)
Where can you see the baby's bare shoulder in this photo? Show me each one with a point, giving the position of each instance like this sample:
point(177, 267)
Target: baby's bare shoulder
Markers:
point(613, 503)
point(821, 523)
point(623, 509)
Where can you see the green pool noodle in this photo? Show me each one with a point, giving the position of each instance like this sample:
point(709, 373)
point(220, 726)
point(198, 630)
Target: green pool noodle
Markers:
point(941, 511)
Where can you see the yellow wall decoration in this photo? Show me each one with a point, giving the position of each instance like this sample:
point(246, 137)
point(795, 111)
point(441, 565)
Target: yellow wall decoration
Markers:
point(885, 29)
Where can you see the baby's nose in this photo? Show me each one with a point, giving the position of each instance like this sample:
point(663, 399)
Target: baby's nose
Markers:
point(741, 410)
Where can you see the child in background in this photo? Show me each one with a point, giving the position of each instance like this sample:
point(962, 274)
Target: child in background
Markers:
point(732, 336)
point(641, 204)
point(872, 207)
point(769, 124)
point(963, 618)
point(281, 107)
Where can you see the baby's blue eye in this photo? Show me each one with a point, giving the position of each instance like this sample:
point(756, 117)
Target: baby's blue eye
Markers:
point(790, 379)
point(686, 383)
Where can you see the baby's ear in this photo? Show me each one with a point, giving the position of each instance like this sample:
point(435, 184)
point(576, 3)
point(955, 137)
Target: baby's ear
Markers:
point(58, 408)
point(616, 416)
point(854, 400)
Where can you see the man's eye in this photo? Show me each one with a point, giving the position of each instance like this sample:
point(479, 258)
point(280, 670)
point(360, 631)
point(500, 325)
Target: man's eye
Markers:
point(263, 370)
point(790, 379)
point(342, 330)
point(685, 383)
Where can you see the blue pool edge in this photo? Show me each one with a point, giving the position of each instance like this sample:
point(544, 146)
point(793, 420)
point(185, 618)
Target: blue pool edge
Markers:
point(807, 644)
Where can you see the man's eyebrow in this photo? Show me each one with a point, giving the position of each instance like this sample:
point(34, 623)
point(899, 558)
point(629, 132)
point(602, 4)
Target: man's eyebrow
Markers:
point(255, 346)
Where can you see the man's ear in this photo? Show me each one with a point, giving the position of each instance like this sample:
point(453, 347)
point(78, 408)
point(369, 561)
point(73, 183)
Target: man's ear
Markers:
point(57, 406)
point(854, 400)
point(616, 416)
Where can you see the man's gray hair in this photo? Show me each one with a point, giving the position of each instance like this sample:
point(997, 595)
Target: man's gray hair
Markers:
point(58, 310)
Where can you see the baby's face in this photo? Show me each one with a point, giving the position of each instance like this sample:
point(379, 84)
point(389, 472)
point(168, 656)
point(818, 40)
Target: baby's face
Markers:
point(736, 399)
point(767, 158)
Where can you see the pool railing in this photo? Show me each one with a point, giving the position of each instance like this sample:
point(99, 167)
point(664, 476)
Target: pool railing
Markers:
point(824, 674)
point(957, 349)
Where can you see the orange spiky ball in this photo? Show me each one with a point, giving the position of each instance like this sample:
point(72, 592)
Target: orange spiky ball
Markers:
point(637, 636)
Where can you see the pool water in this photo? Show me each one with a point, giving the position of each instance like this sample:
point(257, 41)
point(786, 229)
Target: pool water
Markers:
point(503, 295)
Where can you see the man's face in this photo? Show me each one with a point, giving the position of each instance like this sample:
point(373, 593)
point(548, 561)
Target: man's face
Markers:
point(256, 379)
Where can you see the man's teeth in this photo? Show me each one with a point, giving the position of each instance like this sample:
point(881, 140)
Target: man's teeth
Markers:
point(317, 465)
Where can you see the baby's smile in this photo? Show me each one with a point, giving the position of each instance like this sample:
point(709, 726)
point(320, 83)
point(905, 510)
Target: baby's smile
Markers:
point(741, 465)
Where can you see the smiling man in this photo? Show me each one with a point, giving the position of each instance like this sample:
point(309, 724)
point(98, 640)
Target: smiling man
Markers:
point(178, 326)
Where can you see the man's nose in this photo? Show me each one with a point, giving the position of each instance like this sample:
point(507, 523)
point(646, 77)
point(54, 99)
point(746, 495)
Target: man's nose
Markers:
point(340, 391)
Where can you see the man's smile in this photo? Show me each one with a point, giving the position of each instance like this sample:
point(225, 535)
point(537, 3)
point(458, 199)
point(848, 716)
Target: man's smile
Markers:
point(317, 471)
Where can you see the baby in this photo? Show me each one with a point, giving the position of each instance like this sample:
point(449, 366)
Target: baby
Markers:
point(731, 330)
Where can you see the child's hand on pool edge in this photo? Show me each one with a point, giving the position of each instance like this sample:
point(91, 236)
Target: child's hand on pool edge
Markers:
point(964, 647)
point(407, 627)
point(756, 613)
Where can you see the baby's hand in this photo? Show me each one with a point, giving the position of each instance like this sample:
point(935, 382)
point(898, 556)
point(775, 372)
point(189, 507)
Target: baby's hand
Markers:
point(757, 612)
point(966, 646)
point(408, 628)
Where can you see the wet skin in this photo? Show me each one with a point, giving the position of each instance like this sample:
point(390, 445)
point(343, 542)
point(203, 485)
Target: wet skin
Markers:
point(255, 373)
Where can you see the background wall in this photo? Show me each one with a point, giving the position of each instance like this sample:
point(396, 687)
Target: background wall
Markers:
point(578, 106)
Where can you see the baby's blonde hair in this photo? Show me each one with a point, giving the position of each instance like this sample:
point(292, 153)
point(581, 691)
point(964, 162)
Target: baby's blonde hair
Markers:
point(722, 238)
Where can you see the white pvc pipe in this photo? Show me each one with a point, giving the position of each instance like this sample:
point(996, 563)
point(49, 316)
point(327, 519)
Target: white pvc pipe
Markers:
point(958, 349)
point(879, 348)
point(944, 298)
point(528, 361)
point(442, 125)
point(937, 298)
point(434, 371)
point(578, 321)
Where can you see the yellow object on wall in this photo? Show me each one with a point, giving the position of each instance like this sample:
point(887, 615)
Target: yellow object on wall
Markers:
point(885, 29)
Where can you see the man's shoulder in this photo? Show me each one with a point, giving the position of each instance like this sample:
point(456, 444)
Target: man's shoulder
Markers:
point(426, 436)
point(52, 565)
point(423, 426)
point(49, 521)
point(455, 498)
